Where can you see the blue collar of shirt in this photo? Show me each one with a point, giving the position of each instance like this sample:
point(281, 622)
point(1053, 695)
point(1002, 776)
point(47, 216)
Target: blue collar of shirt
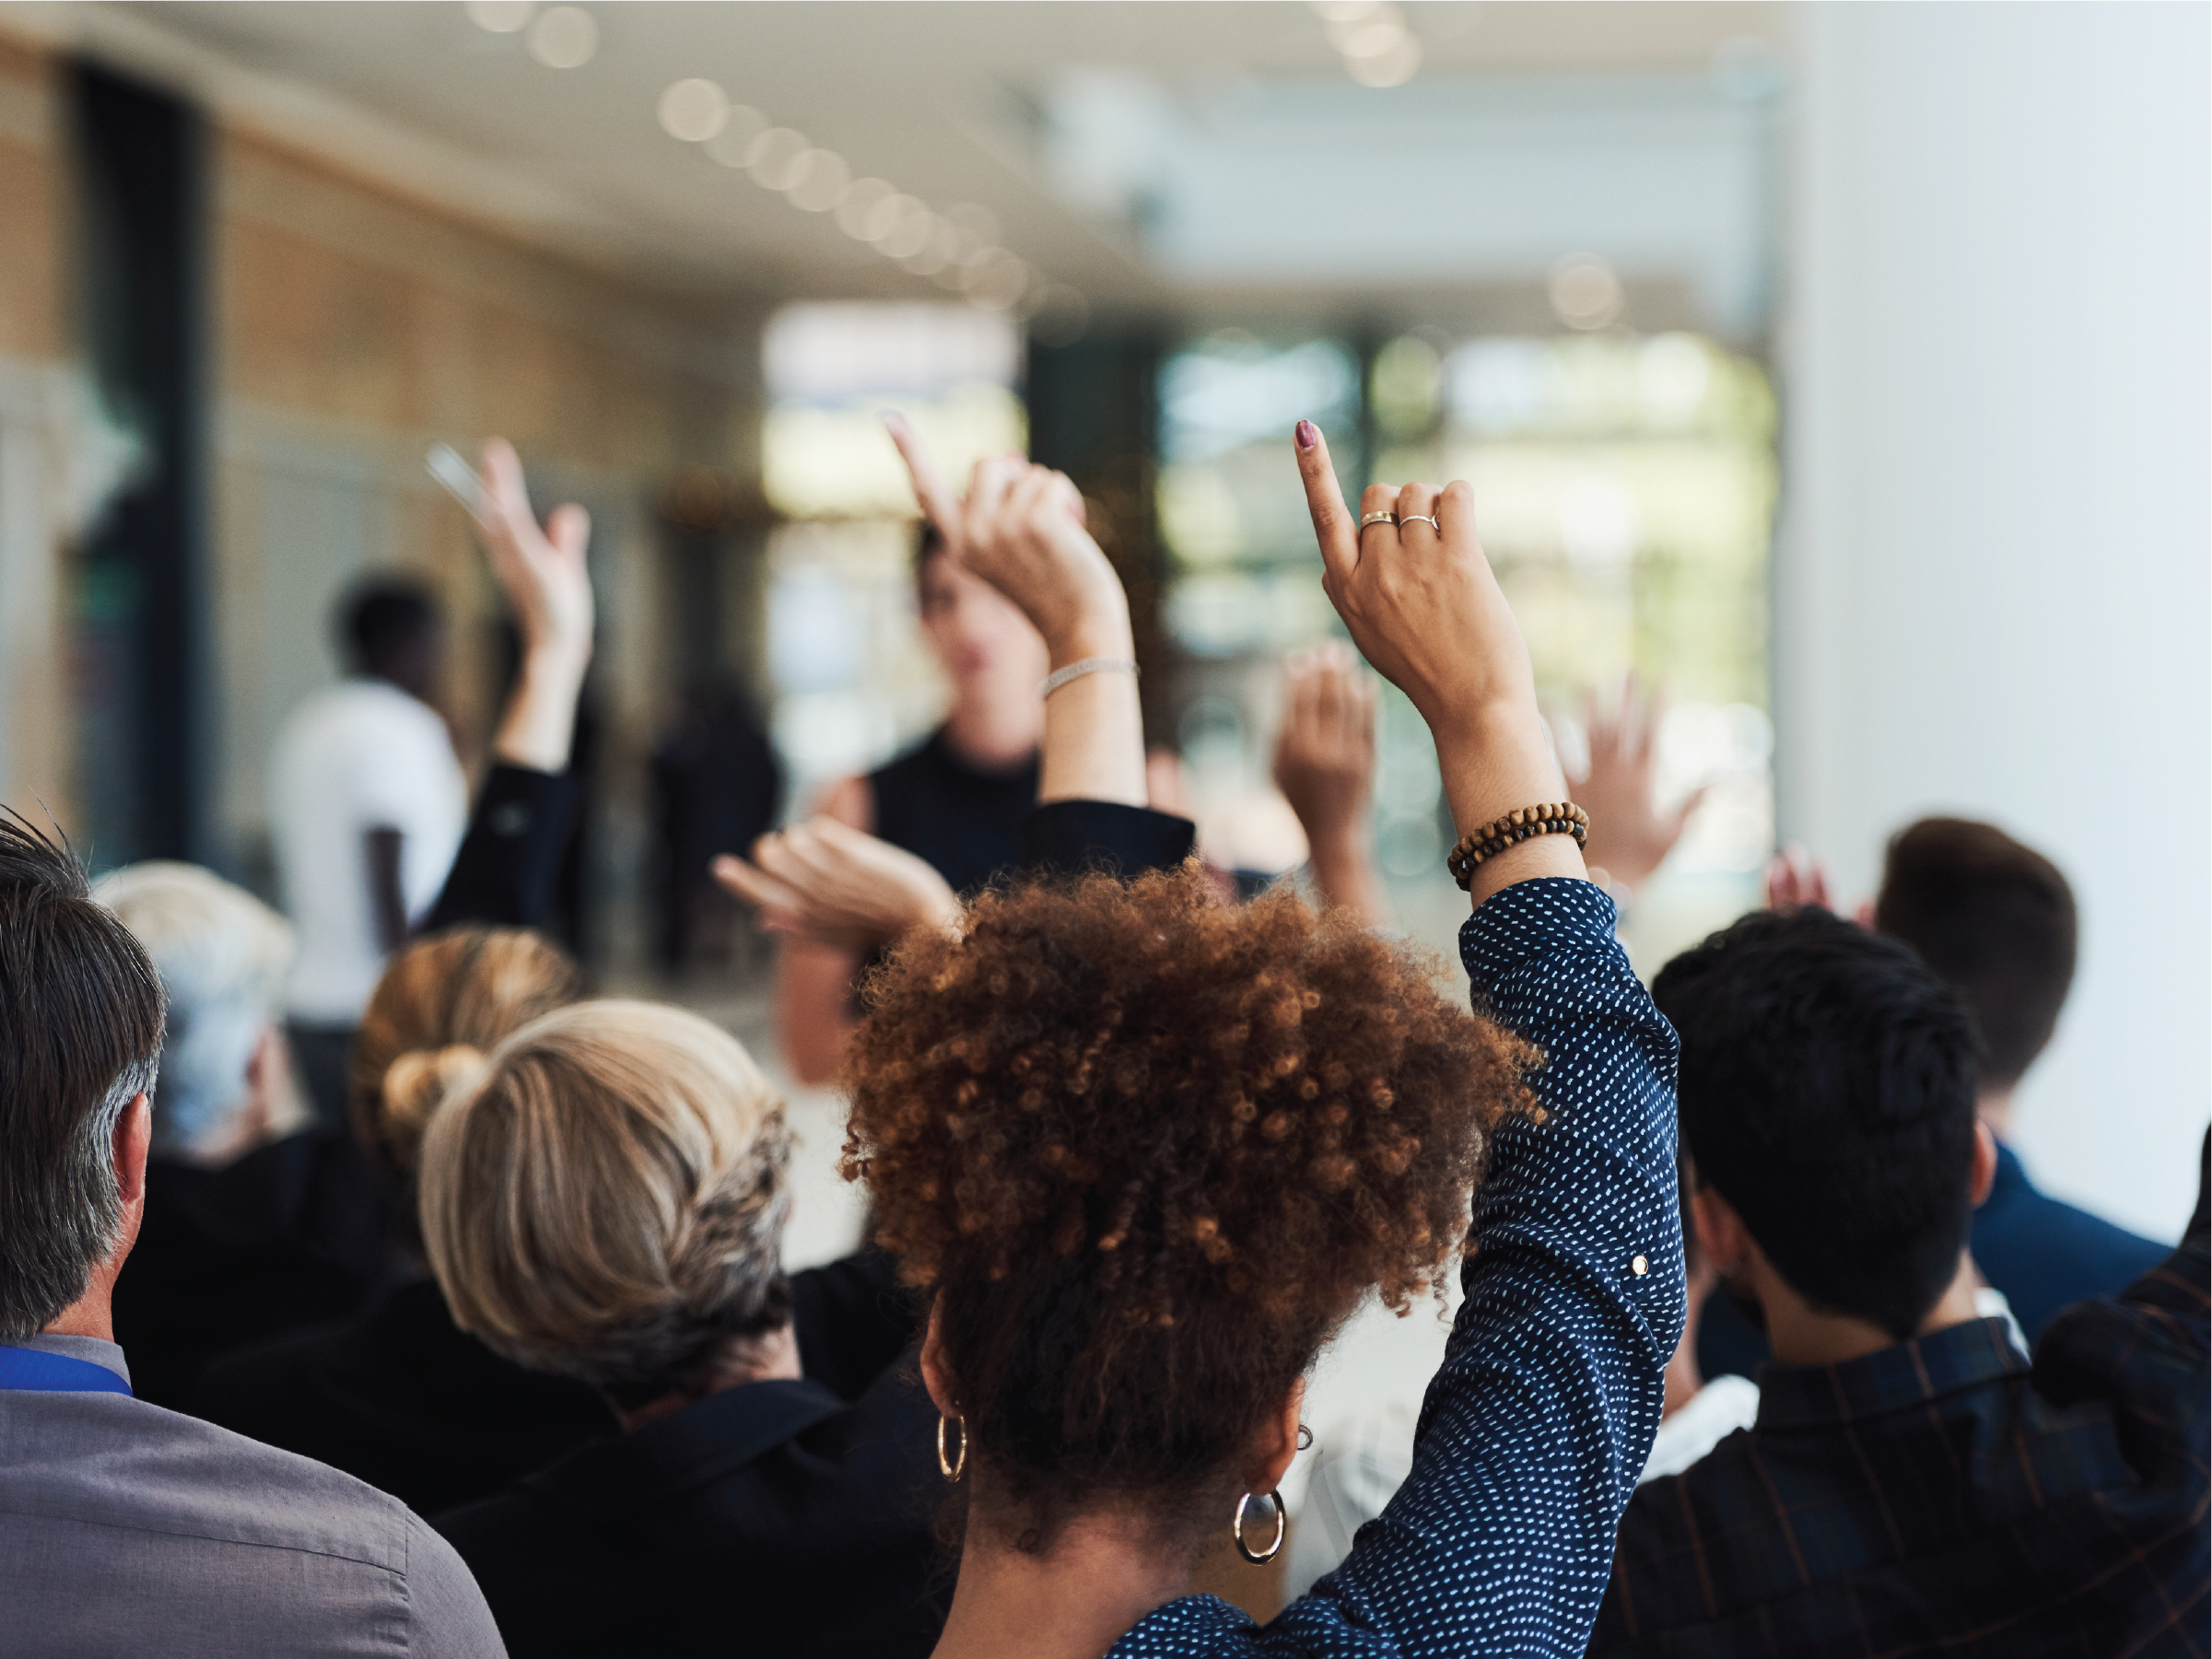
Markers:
point(36, 1371)
point(1950, 1360)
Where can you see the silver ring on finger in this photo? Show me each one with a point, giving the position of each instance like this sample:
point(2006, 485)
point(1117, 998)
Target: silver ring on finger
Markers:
point(1368, 518)
point(1421, 519)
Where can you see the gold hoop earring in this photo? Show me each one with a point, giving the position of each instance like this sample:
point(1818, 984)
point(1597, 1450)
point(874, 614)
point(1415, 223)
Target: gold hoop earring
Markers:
point(951, 1467)
point(1236, 1530)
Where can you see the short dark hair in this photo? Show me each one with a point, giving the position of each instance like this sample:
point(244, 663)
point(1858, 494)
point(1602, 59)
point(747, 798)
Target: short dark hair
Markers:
point(1827, 1092)
point(81, 1016)
point(386, 618)
point(1995, 920)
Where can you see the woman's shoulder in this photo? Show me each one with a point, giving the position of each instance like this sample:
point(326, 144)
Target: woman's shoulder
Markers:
point(1192, 1627)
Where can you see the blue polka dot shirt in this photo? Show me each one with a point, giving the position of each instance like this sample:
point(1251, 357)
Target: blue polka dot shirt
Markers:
point(1535, 1428)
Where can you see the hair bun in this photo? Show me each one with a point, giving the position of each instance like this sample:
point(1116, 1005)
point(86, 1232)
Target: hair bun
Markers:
point(417, 1081)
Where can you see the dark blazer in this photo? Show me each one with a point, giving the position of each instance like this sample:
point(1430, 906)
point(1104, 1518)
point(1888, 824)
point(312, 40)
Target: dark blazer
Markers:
point(1944, 1495)
point(780, 1517)
point(2046, 1255)
point(291, 1234)
point(404, 1400)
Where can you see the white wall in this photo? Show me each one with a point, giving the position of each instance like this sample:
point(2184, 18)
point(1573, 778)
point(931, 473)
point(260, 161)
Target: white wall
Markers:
point(1992, 590)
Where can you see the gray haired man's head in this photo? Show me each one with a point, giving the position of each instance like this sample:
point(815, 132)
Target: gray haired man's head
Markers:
point(80, 1035)
point(223, 956)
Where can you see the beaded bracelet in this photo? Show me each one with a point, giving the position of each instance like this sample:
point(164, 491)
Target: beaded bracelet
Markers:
point(1558, 818)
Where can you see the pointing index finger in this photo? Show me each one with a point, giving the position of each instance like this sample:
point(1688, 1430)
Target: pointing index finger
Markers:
point(1334, 528)
point(939, 505)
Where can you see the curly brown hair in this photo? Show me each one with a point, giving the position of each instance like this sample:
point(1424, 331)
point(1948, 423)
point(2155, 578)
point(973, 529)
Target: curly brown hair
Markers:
point(1150, 1152)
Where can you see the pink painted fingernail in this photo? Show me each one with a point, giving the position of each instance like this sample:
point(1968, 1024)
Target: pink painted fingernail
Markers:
point(1307, 435)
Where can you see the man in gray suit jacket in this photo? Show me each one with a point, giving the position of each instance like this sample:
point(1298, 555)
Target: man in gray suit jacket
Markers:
point(124, 1526)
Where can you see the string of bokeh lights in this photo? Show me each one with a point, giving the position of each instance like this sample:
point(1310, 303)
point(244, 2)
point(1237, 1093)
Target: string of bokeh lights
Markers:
point(1372, 39)
point(958, 249)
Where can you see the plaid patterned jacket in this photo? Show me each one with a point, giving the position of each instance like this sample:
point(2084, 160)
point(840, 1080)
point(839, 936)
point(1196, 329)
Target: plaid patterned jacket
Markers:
point(1943, 1496)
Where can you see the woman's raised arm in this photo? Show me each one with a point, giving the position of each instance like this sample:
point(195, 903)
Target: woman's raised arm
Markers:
point(1543, 1414)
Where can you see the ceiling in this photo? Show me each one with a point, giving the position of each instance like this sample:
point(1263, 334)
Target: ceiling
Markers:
point(953, 103)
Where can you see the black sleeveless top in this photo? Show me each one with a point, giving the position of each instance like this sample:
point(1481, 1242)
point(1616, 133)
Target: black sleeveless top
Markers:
point(964, 822)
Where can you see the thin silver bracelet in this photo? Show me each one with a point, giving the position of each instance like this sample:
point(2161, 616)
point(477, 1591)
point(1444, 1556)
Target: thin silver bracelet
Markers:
point(1076, 670)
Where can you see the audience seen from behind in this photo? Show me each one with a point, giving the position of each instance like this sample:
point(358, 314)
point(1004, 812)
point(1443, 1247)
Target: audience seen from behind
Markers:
point(398, 1395)
point(1134, 1153)
point(1995, 920)
point(124, 1526)
point(603, 1198)
point(256, 1222)
point(1911, 1483)
point(1144, 1152)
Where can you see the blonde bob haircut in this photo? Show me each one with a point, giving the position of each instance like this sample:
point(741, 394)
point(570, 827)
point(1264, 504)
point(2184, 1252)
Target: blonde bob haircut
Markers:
point(603, 1197)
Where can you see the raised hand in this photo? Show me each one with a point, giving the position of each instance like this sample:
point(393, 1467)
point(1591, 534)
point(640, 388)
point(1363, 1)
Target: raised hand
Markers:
point(1425, 608)
point(1325, 768)
point(542, 573)
point(1325, 753)
point(1796, 880)
point(1021, 529)
point(1630, 836)
point(827, 881)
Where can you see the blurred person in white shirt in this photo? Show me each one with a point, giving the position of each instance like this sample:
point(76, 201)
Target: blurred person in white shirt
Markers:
point(367, 804)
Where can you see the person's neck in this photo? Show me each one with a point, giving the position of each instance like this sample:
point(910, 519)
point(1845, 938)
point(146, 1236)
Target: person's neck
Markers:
point(770, 1358)
point(995, 731)
point(1803, 1334)
point(1102, 1574)
point(91, 1314)
point(1994, 1108)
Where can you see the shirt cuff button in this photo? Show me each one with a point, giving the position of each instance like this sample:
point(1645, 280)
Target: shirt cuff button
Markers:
point(1639, 1265)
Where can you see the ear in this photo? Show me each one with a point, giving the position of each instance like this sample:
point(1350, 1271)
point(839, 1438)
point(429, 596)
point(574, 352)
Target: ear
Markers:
point(133, 1138)
point(269, 1075)
point(1278, 1442)
point(935, 1376)
point(1982, 1175)
point(1721, 1234)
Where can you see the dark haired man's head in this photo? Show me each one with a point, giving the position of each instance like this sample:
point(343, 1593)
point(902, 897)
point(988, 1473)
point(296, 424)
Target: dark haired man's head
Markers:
point(1827, 1094)
point(1995, 920)
point(81, 1018)
point(393, 628)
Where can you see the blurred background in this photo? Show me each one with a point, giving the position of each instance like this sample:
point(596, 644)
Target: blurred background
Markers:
point(1843, 368)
